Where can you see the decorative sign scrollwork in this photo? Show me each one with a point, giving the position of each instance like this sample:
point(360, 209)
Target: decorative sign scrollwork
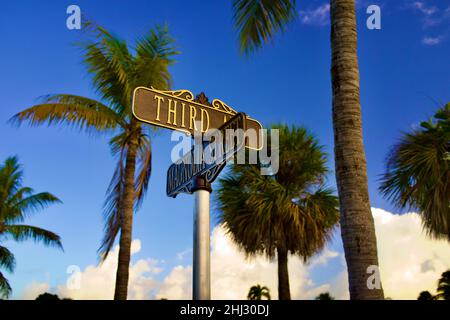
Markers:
point(182, 94)
point(220, 105)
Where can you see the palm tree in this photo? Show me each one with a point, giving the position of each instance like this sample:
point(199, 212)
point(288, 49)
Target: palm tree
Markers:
point(418, 173)
point(257, 293)
point(115, 71)
point(47, 297)
point(16, 204)
point(289, 212)
point(325, 296)
point(426, 295)
point(257, 22)
point(444, 286)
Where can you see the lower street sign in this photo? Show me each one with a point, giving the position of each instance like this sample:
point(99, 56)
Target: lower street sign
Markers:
point(207, 159)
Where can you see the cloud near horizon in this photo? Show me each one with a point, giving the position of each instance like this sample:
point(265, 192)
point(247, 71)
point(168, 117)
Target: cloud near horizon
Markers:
point(409, 263)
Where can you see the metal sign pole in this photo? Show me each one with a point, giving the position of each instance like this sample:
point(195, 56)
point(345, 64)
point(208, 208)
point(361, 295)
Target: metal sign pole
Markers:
point(201, 285)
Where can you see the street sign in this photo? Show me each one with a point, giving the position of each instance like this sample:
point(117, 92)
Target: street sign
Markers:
point(181, 174)
point(196, 170)
point(177, 110)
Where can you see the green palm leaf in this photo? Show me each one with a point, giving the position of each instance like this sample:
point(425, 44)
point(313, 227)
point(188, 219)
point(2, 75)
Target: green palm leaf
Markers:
point(111, 64)
point(418, 174)
point(444, 286)
point(11, 176)
point(24, 232)
point(17, 202)
point(257, 21)
point(145, 169)
point(112, 210)
point(154, 53)
point(73, 111)
point(5, 288)
point(7, 260)
point(20, 208)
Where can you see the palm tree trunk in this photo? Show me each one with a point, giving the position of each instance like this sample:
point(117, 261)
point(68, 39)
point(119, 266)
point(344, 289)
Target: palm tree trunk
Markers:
point(284, 292)
point(122, 274)
point(357, 225)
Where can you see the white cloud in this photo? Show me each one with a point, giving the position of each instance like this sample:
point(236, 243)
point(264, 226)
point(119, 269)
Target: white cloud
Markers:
point(232, 274)
point(33, 290)
point(409, 263)
point(97, 281)
point(431, 41)
point(177, 285)
point(319, 16)
point(183, 254)
point(424, 8)
point(431, 15)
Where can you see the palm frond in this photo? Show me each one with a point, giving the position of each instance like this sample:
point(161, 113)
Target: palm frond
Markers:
point(24, 232)
point(119, 144)
point(16, 202)
point(418, 174)
point(266, 294)
point(18, 195)
point(443, 288)
point(112, 66)
point(72, 111)
point(7, 260)
point(112, 209)
point(154, 55)
point(11, 176)
point(5, 288)
point(144, 160)
point(257, 21)
point(21, 208)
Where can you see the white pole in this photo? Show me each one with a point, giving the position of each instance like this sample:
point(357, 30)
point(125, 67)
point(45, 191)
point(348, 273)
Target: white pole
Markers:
point(201, 262)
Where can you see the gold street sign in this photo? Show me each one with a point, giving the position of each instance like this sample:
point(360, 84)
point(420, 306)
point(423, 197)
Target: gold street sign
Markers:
point(177, 110)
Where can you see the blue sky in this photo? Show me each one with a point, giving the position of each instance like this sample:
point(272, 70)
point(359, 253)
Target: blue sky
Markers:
point(405, 76)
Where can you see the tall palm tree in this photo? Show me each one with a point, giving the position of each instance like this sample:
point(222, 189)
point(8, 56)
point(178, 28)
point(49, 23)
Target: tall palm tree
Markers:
point(115, 71)
point(289, 212)
point(443, 288)
point(16, 204)
point(418, 173)
point(257, 22)
point(258, 292)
